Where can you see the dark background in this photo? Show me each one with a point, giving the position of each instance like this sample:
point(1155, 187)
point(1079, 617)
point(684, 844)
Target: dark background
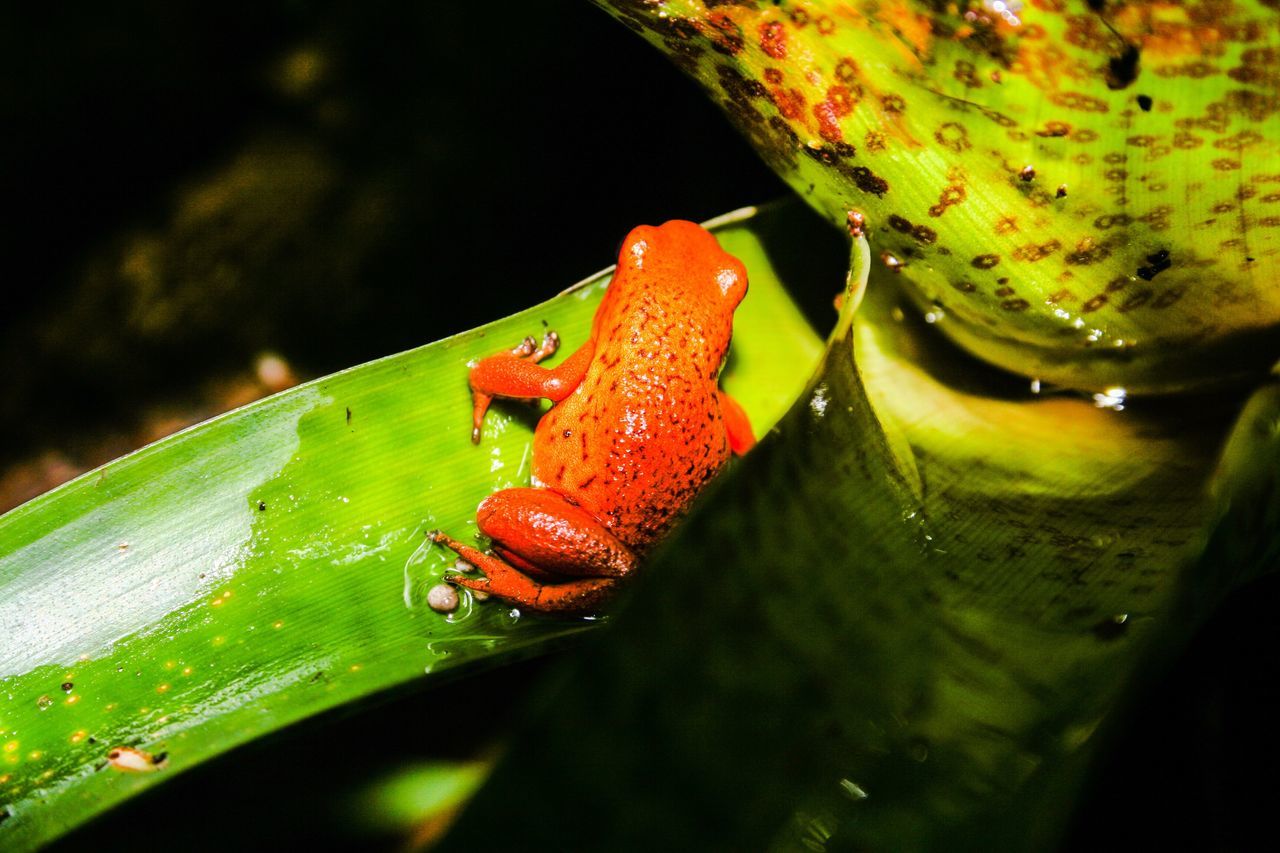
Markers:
point(187, 188)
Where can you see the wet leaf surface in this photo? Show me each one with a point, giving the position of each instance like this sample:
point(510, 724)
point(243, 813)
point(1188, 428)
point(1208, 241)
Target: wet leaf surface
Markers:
point(272, 563)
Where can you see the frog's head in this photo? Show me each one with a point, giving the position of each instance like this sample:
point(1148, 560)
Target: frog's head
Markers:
point(686, 261)
point(679, 266)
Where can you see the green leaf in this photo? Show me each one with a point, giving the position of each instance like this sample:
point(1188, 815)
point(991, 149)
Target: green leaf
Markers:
point(271, 563)
point(1088, 192)
point(904, 621)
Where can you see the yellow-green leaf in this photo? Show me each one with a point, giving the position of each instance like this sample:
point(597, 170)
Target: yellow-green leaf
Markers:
point(1088, 192)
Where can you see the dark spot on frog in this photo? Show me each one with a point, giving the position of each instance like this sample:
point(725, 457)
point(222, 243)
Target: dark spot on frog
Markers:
point(1112, 628)
point(159, 758)
point(1144, 103)
point(68, 686)
point(1122, 70)
point(93, 740)
point(1028, 173)
point(567, 433)
point(1157, 263)
point(1249, 260)
point(4, 814)
point(348, 416)
point(1062, 191)
point(1097, 5)
point(262, 506)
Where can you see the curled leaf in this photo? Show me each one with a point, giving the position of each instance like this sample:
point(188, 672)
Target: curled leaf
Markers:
point(1090, 195)
point(904, 621)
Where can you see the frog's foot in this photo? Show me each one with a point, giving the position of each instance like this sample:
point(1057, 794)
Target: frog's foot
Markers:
point(550, 343)
point(585, 595)
point(525, 348)
point(528, 350)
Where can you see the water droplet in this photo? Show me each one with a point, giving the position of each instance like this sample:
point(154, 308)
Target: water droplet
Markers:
point(1111, 398)
point(852, 790)
point(934, 314)
point(1112, 628)
point(891, 261)
point(919, 750)
point(1035, 386)
point(425, 561)
point(44, 703)
point(818, 402)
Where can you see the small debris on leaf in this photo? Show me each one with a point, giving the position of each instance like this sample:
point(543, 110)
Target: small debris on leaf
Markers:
point(442, 598)
point(127, 759)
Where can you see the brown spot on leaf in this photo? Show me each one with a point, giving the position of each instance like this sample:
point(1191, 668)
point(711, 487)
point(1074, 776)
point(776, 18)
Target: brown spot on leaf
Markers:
point(866, 180)
point(953, 136)
point(1032, 252)
point(773, 39)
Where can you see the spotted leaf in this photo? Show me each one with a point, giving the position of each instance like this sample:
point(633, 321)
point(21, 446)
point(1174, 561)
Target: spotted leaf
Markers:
point(1088, 192)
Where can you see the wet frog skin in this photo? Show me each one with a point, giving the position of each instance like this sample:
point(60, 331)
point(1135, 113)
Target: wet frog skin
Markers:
point(638, 428)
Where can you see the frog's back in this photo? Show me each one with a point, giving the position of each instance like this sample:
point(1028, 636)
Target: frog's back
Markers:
point(644, 432)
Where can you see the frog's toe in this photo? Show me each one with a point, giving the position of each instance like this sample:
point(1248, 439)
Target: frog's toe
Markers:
point(477, 584)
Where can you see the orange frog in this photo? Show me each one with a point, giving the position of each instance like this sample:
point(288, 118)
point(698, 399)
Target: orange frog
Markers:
point(638, 428)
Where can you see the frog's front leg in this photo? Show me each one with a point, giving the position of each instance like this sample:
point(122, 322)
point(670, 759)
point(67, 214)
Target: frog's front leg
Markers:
point(539, 528)
point(741, 437)
point(516, 374)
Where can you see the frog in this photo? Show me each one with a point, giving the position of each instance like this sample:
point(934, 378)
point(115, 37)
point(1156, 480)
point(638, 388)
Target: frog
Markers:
point(638, 427)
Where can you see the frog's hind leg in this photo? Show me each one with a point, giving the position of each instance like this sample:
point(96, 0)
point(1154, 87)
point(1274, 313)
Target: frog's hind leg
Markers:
point(542, 538)
point(541, 527)
point(584, 595)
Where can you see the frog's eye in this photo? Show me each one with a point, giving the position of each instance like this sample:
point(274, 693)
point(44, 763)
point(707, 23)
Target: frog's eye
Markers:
point(732, 282)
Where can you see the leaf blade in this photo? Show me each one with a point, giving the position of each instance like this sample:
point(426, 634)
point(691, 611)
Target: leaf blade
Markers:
point(268, 557)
